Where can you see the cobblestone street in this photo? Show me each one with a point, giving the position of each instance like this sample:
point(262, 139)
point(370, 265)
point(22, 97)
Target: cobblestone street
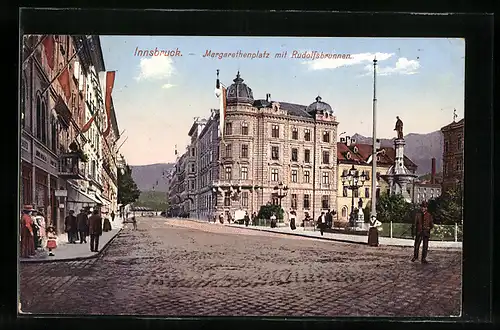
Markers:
point(176, 267)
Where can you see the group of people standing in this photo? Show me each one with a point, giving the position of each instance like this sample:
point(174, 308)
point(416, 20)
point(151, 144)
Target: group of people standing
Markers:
point(36, 233)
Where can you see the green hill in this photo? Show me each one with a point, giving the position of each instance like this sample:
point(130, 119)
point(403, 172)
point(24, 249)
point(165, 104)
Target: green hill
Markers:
point(155, 200)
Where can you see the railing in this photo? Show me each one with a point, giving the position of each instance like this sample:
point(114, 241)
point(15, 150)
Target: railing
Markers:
point(438, 233)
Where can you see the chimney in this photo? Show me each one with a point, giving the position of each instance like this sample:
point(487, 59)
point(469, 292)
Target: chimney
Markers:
point(268, 97)
point(433, 171)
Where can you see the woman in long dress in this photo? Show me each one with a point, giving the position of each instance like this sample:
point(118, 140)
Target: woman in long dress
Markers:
point(27, 239)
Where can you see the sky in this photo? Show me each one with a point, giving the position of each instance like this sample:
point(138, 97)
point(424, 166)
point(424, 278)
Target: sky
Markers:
point(156, 98)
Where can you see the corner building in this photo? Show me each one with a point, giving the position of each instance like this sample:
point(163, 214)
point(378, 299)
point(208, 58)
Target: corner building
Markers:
point(265, 143)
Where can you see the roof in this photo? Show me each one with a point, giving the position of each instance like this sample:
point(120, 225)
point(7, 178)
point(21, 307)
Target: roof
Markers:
point(454, 125)
point(293, 109)
point(364, 152)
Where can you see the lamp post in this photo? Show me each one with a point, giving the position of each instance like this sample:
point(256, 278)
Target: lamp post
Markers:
point(352, 180)
point(373, 232)
point(281, 190)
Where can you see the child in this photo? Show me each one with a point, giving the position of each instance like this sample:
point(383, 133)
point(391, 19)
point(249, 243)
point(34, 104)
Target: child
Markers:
point(51, 240)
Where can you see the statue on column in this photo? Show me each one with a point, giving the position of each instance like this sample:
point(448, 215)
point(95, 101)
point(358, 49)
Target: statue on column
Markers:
point(399, 127)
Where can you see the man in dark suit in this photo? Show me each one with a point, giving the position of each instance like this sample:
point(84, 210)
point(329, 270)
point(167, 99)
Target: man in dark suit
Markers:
point(83, 225)
point(423, 225)
point(70, 224)
point(95, 230)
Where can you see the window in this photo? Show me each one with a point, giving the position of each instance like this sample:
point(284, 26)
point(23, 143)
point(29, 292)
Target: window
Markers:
point(294, 175)
point(344, 212)
point(446, 146)
point(459, 143)
point(229, 173)
point(193, 169)
point(44, 121)
point(459, 165)
point(229, 151)
point(344, 192)
point(275, 131)
point(293, 201)
point(307, 177)
point(244, 128)
point(275, 200)
point(53, 135)
point(326, 157)
point(307, 134)
point(307, 156)
point(295, 154)
point(227, 199)
point(192, 152)
point(228, 129)
point(244, 199)
point(275, 151)
point(244, 151)
point(244, 173)
point(295, 133)
point(367, 192)
point(326, 136)
point(192, 184)
point(325, 202)
point(326, 178)
point(307, 201)
point(39, 122)
point(356, 193)
point(274, 175)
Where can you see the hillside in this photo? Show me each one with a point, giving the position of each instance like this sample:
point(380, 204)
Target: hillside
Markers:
point(146, 176)
point(155, 200)
point(420, 148)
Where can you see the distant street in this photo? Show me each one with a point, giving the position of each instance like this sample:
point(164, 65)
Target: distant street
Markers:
point(173, 267)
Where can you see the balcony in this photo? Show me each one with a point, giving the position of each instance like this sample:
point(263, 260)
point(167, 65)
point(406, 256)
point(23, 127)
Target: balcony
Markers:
point(71, 167)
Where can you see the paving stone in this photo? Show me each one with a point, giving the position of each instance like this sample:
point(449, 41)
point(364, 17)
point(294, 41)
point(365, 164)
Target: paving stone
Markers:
point(195, 269)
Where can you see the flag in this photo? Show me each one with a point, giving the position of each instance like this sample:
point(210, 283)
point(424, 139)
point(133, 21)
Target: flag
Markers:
point(109, 83)
point(48, 45)
point(222, 111)
point(64, 82)
point(87, 126)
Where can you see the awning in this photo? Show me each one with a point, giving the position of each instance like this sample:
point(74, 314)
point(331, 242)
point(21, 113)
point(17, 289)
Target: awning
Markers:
point(102, 200)
point(77, 196)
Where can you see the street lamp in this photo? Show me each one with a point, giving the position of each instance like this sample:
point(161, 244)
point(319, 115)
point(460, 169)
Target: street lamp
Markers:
point(281, 190)
point(352, 180)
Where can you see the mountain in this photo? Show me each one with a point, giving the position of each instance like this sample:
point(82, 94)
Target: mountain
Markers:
point(146, 176)
point(420, 148)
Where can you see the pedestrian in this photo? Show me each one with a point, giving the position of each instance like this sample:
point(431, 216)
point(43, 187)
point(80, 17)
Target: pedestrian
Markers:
point(27, 239)
point(247, 219)
point(293, 216)
point(273, 220)
point(423, 225)
point(106, 225)
point(254, 219)
point(70, 227)
point(322, 222)
point(221, 218)
point(82, 223)
point(34, 226)
point(51, 240)
point(112, 215)
point(134, 222)
point(95, 230)
point(40, 222)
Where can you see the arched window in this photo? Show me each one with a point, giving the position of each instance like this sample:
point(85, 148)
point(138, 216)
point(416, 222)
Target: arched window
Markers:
point(39, 117)
point(344, 212)
point(23, 103)
point(44, 121)
point(53, 134)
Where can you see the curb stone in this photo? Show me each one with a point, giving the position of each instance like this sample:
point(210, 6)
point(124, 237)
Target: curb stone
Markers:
point(29, 261)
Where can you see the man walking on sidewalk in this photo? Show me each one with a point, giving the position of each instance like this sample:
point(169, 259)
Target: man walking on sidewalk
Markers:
point(83, 225)
point(423, 224)
point(322, 222)
point(70, 224)
point(95, 230)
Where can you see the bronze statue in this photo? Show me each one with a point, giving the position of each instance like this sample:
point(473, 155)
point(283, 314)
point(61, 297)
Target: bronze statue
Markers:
point(399, 127)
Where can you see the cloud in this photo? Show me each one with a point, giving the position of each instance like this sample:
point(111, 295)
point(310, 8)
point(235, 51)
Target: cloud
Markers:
point(361, 58)
point(167, 86)
point(403, 66)
point(156, 67)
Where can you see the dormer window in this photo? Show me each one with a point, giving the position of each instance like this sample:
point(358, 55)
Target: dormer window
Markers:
point(355, 149)
point(348, 155)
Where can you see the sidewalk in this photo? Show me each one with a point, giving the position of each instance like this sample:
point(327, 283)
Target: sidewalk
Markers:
point(71, 252)
point(345, 238)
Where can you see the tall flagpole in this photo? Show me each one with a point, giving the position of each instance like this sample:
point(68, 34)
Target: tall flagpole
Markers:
point(373, 232)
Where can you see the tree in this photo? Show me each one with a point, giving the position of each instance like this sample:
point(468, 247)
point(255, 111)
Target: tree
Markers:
point(266, 211)
point(393, 207)
point(447, 208)
point(155, 200)
point(127, 188)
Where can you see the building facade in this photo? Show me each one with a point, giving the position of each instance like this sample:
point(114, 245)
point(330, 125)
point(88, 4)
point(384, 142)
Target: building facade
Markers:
point(265, 143)
point(453, 155)
point(350, 153)
point(54, 109)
